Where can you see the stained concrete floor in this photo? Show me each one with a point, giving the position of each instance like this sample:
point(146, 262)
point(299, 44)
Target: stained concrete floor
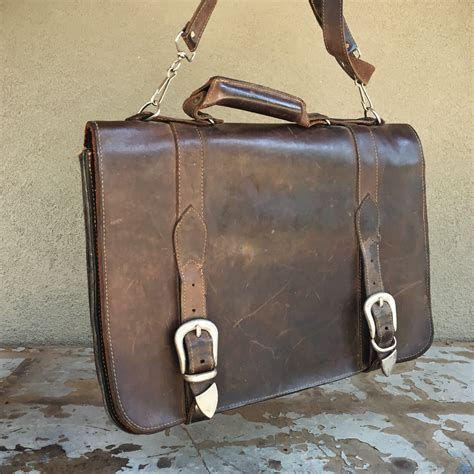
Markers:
point(421, 419)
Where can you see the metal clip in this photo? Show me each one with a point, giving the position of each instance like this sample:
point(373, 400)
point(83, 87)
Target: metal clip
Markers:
point(158, 96)
point(367, 102)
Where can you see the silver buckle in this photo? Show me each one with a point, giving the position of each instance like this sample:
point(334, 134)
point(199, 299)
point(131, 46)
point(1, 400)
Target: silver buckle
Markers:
point(381, 298)
point(206, 401)
point(386, 363)
point(197, 325)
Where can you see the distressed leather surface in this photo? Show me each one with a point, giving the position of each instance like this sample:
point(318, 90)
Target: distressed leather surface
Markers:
point(282, 269)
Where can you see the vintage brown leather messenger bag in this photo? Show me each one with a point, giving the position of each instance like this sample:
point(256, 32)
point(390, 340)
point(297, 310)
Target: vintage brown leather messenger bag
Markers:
point(233, 263)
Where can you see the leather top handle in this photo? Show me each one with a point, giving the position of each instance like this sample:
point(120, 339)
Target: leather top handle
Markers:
point(329, 13)
point(245, 96)
point(259, 99)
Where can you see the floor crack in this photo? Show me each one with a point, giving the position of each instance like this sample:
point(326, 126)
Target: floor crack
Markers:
point(196, 448)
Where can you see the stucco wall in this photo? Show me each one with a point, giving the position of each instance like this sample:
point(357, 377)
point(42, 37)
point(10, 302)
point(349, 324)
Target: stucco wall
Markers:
point(64, 62)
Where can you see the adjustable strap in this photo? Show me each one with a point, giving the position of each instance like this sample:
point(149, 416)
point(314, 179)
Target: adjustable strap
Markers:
point(379, 307)
point(336, 39)
point(196, 338)
point(329, 13)
point(195, 27)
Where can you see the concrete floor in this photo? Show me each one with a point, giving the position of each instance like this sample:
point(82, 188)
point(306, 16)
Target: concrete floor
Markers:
point(421, 419)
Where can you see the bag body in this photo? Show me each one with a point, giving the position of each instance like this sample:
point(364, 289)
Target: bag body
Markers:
point(233, 263)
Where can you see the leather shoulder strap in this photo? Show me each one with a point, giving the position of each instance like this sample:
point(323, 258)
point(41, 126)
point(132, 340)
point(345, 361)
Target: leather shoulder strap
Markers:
point(329, 13)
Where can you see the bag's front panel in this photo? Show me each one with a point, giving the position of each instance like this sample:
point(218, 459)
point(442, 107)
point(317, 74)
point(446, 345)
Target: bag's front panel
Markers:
point(282, 260)
point(282, 263)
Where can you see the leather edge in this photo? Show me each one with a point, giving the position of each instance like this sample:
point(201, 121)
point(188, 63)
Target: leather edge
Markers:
point(88, 191)
point(110, 391)
point(429, 341)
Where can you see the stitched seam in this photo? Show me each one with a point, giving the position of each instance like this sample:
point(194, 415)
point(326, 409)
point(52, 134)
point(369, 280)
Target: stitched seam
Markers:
point(175, 131)
point(94, 214)
point(182, 297)
point(377, 243)
point(198, 11)
point(377, 246)
point(203, 281)
point(205, 24)
point(359, 273)
point(178, 233)
point(193, 20)
point(324, 25)
point(202, 179)
point(341, 32)
point(107, 309)
point(376, 166)
point(177, 230)
point(352, 72)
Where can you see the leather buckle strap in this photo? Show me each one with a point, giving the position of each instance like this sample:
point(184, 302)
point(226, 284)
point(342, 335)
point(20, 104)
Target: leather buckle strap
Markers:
point(196, 339)
point(380, 308)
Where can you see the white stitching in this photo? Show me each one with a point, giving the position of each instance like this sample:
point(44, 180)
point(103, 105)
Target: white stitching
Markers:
point(374, 144)
point(202, 180)
point(203, 281)
point(193, 20)
point(174, 129)
point(359, 273)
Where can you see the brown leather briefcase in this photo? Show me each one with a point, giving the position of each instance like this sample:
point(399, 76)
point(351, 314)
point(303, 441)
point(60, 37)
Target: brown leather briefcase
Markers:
point(232, 263)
